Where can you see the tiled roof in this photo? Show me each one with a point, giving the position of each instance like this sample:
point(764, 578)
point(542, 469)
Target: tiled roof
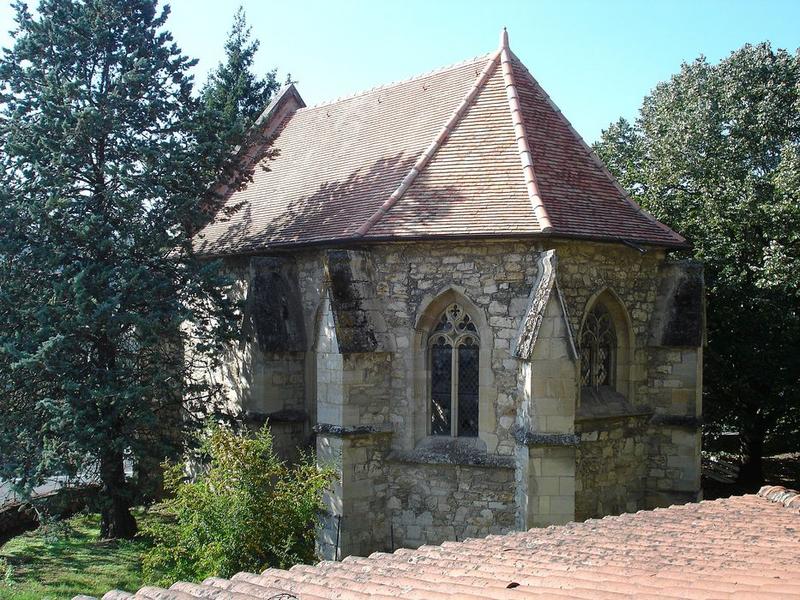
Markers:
point(739, 547)
point(475, 149)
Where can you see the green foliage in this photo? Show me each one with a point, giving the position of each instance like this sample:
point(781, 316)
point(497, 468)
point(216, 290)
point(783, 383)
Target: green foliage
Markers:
point(233, 97)
point(247, 512)
point(7, 572)
point(714, 154)
point(39, 565)
point(104, 178)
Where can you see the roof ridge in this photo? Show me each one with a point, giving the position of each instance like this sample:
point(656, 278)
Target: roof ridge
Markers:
point(526, 158)
point(437, 142)
point(596, 159)
point(437, 71)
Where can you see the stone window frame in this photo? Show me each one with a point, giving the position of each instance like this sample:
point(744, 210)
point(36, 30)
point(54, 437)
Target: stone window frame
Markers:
point(428, 314)
point(459, 330)
point(622, 380)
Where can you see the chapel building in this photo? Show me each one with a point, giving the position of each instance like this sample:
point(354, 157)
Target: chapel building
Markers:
point(450, 298)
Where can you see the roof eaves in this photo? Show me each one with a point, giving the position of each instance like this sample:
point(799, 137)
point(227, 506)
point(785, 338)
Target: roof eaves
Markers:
point(539, 209)
point(598, 161)
point(425, 157)
point(256, 249)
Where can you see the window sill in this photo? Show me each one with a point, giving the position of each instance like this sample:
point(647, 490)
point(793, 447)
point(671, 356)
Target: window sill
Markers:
point(607, 403)
point(436, 450)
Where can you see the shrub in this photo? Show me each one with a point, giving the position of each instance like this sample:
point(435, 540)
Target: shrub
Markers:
point(246, 512)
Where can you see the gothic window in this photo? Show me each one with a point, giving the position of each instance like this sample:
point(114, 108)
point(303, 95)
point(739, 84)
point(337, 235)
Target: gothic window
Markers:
point(598, 343)
point(453, 348)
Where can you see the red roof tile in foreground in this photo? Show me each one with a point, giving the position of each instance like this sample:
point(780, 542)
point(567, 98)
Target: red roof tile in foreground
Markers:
point(476, 149)
point(739, 547)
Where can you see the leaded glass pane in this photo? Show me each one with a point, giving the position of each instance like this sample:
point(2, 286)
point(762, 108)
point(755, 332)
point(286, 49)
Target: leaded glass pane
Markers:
point(468, 389)
point(598, 348)
point(586, 365)
point(441, 386)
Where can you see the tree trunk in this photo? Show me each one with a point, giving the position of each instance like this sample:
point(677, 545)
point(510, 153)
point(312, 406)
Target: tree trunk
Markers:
point(752, 445)
point(116, 518)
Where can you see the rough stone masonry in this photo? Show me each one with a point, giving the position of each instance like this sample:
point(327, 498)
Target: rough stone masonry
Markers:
point(347, 369)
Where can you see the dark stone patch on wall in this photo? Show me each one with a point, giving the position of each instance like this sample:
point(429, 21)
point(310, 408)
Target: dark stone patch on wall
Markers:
point(685, 421)
point(533, 438)
point(289, 438)
point(280, 416)
point(351, 290)
point(273, 305)
point(679, 316)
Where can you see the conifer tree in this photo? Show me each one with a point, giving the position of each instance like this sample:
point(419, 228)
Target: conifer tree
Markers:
point(234, 96)
point(103, 177)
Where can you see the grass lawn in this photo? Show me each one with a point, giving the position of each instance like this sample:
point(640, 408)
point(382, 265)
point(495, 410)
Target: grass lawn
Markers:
point(62, 560)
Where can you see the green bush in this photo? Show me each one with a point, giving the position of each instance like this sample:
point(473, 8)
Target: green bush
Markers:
point(247, 512)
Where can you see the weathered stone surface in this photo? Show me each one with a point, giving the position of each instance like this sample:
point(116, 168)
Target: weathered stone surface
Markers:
point(612, 463)
point(432, 503)
point(273, 305)
point(452, 451)
point(532, 438)
point(365, 372)
point(679, 316)
point(351, 291)
point(352, 430)
point(606, 403)
point(537, 302)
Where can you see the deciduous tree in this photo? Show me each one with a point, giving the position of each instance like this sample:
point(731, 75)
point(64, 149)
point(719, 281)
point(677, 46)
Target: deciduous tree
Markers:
point(714, 154)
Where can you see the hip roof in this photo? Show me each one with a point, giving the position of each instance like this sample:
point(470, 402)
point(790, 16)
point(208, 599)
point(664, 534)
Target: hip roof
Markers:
point(474, 149)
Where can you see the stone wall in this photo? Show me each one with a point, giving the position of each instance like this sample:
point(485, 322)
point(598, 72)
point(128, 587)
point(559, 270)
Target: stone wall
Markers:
point(675, 377)
point(612, 464)
point(263, 377)
point(433, 503)
point(276, 382)
point(354, 520)
point(675, 386)
point(368, 396)
point(546, 476)
point(497, 279)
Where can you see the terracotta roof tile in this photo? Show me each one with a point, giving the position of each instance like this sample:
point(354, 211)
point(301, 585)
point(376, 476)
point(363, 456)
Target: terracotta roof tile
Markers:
point(476, 149)
point(740, 547)
point(337, 163)
point(582, 199)
point(456, 192)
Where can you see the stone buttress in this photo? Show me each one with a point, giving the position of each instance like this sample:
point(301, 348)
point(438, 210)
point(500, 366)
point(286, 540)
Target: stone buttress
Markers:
point(352, 396)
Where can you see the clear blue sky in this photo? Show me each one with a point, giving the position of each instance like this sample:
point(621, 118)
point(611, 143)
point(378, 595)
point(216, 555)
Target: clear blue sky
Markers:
point(597, 59)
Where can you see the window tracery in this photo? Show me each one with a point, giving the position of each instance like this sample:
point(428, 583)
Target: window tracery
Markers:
point(454, 349)
point(598, 348)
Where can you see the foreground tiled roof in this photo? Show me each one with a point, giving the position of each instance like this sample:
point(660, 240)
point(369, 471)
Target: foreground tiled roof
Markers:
point(739, 547)
point(476, 149)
